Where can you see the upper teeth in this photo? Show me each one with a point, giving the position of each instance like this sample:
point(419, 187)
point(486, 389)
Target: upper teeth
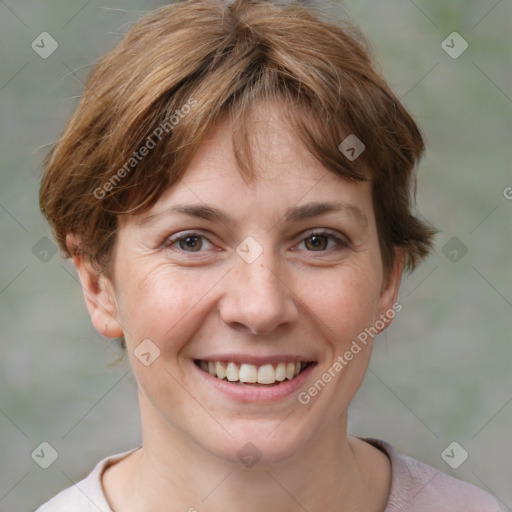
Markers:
point(265, 374)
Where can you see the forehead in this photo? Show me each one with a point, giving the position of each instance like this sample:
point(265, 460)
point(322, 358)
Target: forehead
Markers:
point(287, 175)
point(278, 154)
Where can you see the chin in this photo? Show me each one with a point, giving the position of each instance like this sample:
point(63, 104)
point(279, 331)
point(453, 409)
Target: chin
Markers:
point(258, 444)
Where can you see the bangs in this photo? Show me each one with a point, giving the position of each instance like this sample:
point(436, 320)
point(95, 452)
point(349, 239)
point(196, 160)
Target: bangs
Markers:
point(176, 123)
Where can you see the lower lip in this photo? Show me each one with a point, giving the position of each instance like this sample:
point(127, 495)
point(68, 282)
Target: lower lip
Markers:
point(263, 393)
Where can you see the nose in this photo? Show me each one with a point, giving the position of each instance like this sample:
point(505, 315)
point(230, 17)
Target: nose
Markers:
point(257, 299)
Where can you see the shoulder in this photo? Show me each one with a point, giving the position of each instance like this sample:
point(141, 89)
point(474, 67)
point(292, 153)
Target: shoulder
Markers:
point(86, 495)
point(418, 487)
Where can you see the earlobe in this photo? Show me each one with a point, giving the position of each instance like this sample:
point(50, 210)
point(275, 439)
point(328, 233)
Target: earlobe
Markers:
point(98, 293)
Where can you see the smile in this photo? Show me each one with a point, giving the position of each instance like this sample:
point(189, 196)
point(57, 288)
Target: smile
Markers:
point(250, 374)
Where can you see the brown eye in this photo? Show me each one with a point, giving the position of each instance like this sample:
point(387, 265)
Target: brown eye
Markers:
point(317, 242)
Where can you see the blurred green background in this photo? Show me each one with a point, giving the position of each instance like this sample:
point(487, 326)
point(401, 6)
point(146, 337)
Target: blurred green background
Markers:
point(440, 373)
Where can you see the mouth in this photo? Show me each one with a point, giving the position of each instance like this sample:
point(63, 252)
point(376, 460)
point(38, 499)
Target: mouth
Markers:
point(245, 374)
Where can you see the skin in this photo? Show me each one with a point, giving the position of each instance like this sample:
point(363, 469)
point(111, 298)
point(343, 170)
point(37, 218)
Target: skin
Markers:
point(296, 298)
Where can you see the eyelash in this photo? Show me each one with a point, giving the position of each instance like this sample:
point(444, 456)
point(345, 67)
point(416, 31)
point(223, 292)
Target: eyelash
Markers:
point(169, 242)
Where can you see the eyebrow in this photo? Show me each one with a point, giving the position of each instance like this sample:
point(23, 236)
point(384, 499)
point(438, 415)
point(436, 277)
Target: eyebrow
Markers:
point(293, 214)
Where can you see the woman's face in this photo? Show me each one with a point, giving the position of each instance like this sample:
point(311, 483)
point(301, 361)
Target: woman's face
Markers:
point(261, 274)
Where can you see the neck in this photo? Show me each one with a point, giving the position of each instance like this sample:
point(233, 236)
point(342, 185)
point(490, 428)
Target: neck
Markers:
point(331, 473)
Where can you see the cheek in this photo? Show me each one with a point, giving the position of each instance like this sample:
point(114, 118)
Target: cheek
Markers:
point(163, 303)
point(344, 300)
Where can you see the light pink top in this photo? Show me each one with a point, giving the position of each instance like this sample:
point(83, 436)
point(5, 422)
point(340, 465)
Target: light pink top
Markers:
point(415, 487)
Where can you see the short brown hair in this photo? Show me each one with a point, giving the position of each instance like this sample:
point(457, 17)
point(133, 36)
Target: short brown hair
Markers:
point(222, 58)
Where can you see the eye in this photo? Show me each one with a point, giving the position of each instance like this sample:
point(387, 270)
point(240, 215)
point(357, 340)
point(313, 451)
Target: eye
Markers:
point(318, 241)
point(190, 242)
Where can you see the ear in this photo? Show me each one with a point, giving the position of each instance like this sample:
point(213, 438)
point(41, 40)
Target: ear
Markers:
point(387, 302)
point(98, 293)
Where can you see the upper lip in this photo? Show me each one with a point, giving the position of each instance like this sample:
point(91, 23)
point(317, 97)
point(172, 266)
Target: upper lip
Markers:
point(257, 360)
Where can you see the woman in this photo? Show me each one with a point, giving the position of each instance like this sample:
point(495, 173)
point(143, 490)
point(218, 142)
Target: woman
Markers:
point(234, 190)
